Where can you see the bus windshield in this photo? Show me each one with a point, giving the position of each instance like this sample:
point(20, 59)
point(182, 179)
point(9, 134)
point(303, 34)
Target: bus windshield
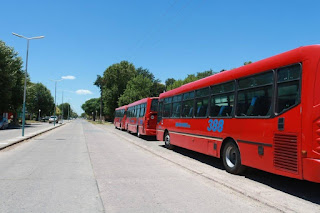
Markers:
point(154, 105)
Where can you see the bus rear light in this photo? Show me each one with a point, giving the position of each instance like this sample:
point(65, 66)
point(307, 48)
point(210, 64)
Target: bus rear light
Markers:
point(304, 153)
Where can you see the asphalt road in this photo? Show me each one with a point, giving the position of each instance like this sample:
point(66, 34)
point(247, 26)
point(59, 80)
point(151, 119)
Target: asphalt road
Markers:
point(81, 167)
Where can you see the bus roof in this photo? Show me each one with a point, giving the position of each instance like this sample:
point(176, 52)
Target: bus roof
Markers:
point(122, 107)
point(290, 57)
point(141, 101)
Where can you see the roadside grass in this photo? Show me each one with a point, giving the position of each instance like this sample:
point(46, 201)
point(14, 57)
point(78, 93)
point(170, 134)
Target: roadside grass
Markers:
point(100, 122)
point(32, 121)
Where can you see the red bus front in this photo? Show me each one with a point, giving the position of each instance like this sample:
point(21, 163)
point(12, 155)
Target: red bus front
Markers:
point(120, 117)
point(142, 117)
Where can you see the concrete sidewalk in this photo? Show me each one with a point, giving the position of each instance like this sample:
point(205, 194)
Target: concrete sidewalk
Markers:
point(30, 134)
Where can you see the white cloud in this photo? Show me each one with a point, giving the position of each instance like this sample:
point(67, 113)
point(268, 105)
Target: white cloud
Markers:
point(68, 77)
point(83, 92)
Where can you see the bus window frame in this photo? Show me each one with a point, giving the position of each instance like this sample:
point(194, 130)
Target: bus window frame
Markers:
point(276, 89)
point(234, 99)
point(202, 97)
point(259, 86)
point(182, 100)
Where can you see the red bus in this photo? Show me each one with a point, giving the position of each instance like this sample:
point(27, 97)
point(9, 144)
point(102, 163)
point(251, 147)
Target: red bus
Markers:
point(120, 117)
point(264, 115)
point(142, 117)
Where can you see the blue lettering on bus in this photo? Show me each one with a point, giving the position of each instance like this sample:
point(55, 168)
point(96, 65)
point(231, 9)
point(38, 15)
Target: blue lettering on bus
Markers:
point(215, 125)
point(141, 122)
point(185, 125)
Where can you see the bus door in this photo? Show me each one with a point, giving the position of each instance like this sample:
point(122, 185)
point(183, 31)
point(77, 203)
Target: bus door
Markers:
point(152, 120)
point(288, 111)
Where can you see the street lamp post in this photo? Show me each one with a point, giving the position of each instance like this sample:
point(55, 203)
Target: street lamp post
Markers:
point(62, 108)
point(39, 114)
point(69, 109)
point(25, 78)
point(69, 112)
point(55, 98)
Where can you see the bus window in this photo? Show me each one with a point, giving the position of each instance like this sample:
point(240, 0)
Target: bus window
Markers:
point(202, 102)
point(167, 107)
point(142, 110)
point(202, 107)
point(176, 106)
point(160, 111)
point(137, 111)
point(288, 87)
point(222, 105)
point(187, 105)
point(222, 100)
point(255, 95)
point(154, 105)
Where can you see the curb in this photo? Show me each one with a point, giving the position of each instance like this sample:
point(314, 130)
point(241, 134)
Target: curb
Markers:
point(16, 141)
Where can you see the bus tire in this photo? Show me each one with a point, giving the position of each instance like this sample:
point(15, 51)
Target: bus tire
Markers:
point(167, 143)
point(138, 133)
point(231, 158)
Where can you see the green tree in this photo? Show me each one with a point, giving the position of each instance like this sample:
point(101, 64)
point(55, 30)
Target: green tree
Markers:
point(145, 73)
point(137, 88)
point(91, 106)
point(39, 97)
point(156, 87)
point(65, 108)
point(83, 115)
point(172, 83)
point(205, 74)
point(169, 82)
point(247, 62)
point(99, 84)
point(11, 80)
point(115, 79)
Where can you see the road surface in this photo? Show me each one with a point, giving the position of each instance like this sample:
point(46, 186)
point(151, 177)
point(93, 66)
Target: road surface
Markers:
point(81, 167)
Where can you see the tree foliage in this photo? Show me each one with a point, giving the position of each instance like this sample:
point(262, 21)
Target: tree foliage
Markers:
point(169, 82)
point(39, 97)
point(91, 106)
point(115, 79)
point(137, 88)
point(11, 79)
point(65, 110)
point(172, 83)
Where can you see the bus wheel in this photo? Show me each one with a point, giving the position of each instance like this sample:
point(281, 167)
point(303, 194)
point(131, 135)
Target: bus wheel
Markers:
point(138, 133)
point(231, 158)
point(167, 143)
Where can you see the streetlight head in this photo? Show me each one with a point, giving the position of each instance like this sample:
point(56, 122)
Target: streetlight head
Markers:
point(38, 37)
point(17, 35)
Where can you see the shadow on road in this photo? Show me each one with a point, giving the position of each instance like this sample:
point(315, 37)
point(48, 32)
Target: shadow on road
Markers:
point(303, 189)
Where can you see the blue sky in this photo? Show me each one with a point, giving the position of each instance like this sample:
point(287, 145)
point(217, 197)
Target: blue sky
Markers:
point(171, 38)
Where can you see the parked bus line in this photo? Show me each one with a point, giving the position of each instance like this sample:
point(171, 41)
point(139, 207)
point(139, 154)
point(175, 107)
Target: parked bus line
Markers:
point(264, 115)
